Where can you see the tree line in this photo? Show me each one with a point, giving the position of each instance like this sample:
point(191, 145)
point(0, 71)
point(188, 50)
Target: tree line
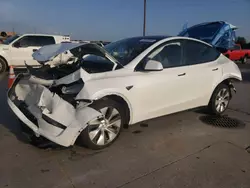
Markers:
point(243, 42)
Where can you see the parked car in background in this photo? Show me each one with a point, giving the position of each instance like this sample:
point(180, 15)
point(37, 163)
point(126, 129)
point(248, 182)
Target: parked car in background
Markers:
point(123, 83)
point(238, 54)
point(18, 49)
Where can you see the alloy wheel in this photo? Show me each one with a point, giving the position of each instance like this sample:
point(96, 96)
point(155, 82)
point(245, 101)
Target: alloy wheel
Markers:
point(106, 128)
point(222, 100)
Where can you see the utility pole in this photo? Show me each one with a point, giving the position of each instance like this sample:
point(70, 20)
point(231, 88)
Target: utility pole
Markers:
point(144, 18)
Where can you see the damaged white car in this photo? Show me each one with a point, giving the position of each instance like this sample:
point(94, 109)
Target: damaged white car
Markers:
point(125, 82)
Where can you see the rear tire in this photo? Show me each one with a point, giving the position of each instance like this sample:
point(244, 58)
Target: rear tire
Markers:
point(103, 131)
point(3, 66)
point(220, 100)
point(244, 60)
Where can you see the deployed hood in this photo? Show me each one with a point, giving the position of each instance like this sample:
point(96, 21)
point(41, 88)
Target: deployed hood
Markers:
point(220, 34)
point(49, 52)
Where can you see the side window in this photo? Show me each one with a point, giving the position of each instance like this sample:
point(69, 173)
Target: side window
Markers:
point(169, 54)
point(27, 41)
point(197, 53)
point(44, 40)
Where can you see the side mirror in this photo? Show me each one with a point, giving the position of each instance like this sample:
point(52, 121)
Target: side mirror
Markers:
point(153, 65)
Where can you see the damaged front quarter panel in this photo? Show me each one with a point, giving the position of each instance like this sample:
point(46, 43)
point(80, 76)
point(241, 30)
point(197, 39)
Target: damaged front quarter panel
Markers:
point(57, 119)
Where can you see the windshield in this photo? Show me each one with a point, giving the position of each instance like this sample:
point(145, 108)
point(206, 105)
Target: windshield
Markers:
point(127, 49)
point(236, 47)
point(204, 32)
point(10, 39)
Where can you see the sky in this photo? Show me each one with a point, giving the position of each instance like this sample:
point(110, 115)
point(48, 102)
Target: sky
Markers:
point(115, 19)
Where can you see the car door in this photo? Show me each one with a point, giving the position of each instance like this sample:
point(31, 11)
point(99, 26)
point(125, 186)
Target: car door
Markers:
point(161, 92)
point(23, 49)
point(204, 71)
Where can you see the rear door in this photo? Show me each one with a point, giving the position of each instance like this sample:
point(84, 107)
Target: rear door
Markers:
point(23, 49)
point(204, 71)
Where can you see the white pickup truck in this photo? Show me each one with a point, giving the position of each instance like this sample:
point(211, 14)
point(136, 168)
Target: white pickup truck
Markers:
point(18, 49)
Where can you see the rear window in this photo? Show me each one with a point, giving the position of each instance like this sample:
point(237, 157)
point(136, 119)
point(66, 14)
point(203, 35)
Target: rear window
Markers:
point(236, 47)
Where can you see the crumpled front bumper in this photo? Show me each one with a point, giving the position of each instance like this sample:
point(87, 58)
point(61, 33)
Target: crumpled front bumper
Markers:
point(46, 113)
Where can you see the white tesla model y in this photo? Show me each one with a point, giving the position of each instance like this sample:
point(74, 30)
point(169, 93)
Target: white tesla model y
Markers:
point(100, 89)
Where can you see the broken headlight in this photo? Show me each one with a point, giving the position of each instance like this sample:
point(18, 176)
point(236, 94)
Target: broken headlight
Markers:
point(73, 88)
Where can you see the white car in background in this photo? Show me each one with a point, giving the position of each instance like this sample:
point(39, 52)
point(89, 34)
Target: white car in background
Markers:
point(18, 49)
point(125, 82)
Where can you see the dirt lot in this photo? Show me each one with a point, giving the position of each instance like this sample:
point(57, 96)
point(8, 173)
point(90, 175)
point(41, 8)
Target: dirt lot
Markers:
point(178, 150)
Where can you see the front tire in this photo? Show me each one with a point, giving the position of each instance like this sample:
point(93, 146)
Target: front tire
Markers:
point(102, 131)
point(3, 66)
point(219, 100)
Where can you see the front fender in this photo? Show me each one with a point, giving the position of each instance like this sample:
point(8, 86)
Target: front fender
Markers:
point(92, 92)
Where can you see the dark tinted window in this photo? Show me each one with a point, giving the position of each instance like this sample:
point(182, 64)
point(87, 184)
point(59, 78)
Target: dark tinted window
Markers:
point(236, 47)
point(44, 40)
point(27, 41)
point(196, 53)
point(169, 54)
point(36, 40)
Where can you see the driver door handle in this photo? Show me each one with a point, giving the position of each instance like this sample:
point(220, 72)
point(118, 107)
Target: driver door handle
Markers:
point(215, 69)
point(34, 50)
point(183, 74)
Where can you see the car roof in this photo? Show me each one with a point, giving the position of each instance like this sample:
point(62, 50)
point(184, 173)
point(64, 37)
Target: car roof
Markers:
point(37, 34)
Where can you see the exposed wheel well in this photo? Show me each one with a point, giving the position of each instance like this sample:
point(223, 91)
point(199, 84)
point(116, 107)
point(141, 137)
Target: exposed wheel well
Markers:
point(228, 82)
point(124, 103)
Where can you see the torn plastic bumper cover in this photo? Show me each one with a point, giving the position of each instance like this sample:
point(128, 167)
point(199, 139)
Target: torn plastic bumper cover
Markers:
point(46, 113)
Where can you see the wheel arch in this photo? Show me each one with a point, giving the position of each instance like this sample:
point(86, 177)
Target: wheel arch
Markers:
point(122, 100)
point(5, 62)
